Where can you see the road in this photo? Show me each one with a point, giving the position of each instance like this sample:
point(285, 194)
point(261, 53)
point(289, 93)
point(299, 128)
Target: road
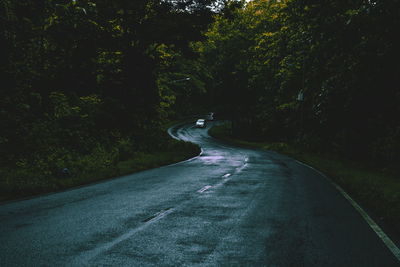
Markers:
point(229, 206)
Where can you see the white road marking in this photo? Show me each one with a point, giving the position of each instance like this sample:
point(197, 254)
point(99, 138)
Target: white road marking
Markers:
point(381, 234)
point(241, 167)
point(226, 175)
point(172, 135)
point(204, 188)
point(86, 256)
point(159, 215)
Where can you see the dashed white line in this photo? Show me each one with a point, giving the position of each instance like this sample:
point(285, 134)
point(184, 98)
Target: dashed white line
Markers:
point(86, 256)
point(159, 215)
point(241, 167)
point(381, 234)
point(204, 188)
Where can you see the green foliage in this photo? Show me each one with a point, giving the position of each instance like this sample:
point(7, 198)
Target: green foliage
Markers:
point(181, 82)
point(262, 54)
point(43, 173)
point(86, 84)
point(175, 152)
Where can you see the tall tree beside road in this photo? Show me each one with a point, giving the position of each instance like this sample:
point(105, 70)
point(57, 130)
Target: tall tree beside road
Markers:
point(341, 55)
point(83, 80)
point(88, 79)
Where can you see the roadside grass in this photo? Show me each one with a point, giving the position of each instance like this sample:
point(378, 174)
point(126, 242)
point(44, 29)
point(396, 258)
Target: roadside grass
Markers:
point(377, 192)
point(100, 165)
point(143, 161)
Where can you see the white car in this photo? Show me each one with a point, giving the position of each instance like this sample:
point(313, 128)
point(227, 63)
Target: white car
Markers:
point(201, 123)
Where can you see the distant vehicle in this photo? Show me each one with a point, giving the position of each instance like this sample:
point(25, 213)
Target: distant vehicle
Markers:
point(210, 116)
point(201, 123)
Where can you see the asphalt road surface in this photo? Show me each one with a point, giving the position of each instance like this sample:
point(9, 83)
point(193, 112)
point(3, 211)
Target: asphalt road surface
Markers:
point(228, 207)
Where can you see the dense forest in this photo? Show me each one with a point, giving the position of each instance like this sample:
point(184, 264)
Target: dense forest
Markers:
point(86, 84)
point(323, 75)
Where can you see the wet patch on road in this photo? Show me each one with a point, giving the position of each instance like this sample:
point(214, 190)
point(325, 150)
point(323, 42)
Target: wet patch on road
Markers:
point(22, 225)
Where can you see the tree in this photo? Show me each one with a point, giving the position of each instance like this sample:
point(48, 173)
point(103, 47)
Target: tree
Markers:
point(262, 54)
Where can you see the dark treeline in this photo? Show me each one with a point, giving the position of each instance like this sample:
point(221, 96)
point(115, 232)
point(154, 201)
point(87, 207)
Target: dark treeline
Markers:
point(85, 84)
point(321, 74)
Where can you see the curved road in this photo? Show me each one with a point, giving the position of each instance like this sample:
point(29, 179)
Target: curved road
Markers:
point(228, 207)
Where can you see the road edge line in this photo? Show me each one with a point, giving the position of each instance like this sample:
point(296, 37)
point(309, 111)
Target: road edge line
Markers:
point(177, 138)
point(377, 229)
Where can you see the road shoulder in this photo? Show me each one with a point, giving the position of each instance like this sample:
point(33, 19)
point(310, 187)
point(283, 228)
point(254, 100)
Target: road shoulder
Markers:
point(378, 194)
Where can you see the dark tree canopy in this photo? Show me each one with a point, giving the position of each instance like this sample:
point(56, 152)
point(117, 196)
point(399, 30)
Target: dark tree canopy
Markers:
point(87, 82)
point(342, 55)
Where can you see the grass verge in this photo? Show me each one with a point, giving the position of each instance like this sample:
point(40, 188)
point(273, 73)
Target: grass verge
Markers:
point(376, 192)
point(143, 161)
point(100, 165)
